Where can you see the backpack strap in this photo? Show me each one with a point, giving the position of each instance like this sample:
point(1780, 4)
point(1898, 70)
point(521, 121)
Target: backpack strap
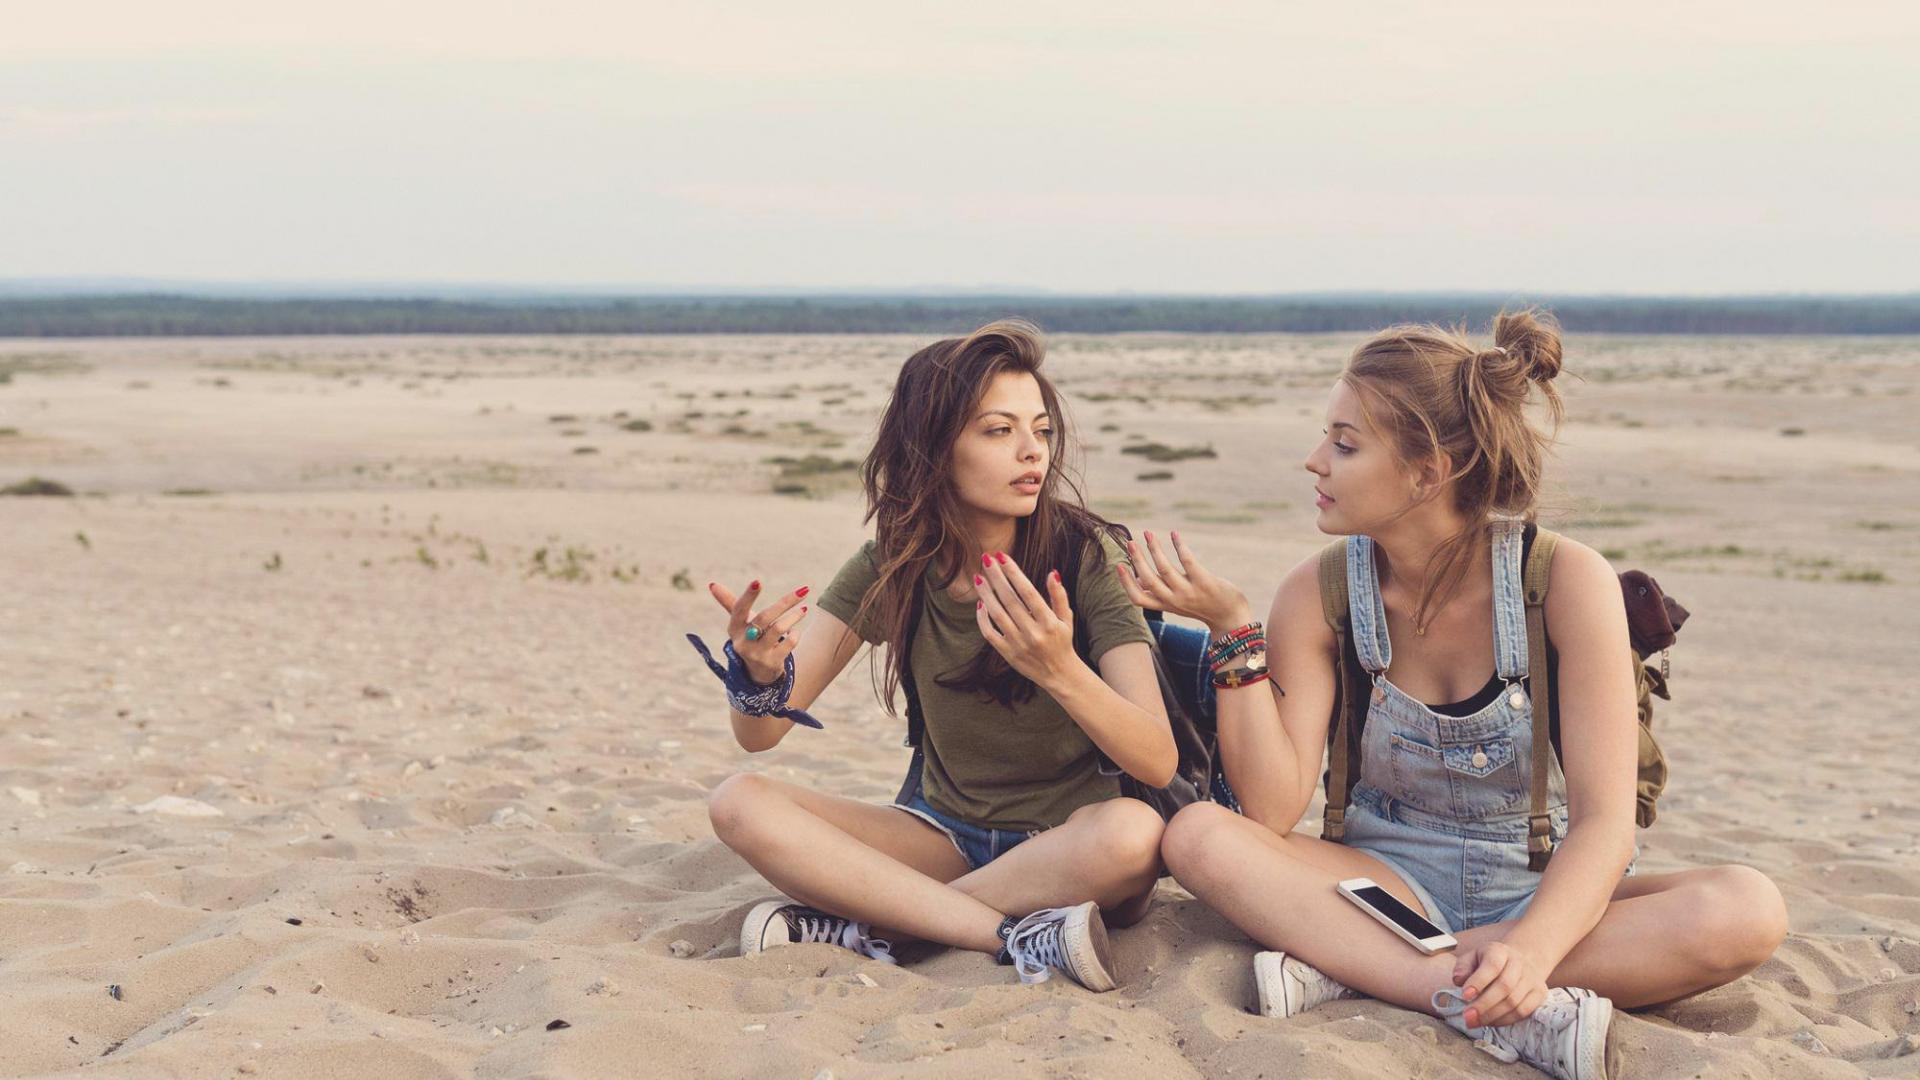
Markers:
point(916, 721)
point(1540, 688)
point(1340, 733)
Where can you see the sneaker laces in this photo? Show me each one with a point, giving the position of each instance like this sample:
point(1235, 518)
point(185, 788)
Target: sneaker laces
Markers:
point(1034, 945)
point(1536, 1038)
point(814, 925)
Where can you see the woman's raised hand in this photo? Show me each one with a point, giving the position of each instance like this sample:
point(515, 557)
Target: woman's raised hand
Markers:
point(1033, 632)
point(1176, 583)
point(763, 639)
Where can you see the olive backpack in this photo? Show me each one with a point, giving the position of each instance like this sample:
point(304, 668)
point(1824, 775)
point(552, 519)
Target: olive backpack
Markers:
point(1653, 622)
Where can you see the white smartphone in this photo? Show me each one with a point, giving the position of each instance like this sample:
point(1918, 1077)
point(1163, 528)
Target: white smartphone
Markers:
point(1396, 916)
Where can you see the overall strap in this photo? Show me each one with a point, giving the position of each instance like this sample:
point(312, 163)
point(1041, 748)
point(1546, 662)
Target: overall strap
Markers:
point(1334, 607)
point(1365, 607)
point(1510, 634)
point(1540, 689)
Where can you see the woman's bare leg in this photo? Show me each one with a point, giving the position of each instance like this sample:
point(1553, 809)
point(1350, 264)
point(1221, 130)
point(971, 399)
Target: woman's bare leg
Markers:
point(1108, 852)
point(892, 870)
point(1280, 890)
point(1664, 935)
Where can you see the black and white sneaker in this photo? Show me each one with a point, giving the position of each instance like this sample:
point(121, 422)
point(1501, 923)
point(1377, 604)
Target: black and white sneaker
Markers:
point(781, 922)
point(1069, 939)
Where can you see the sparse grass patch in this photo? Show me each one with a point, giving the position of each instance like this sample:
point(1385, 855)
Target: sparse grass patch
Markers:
point(1793, 432)
point(681, 581)
point(1161, 474)
point(586, 449)
point(35, 485)
point(189, 492)
point(1267, 504)
point(8, 432)
point(273, 563)
point(569, 564)
point(636, 425)
point(1161, 452)
point(1867, 576)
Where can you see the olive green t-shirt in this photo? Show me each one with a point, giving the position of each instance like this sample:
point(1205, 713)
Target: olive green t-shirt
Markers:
point(1025, 766)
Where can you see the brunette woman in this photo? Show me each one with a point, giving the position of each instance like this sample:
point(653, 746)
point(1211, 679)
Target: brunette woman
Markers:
point(1014, 842)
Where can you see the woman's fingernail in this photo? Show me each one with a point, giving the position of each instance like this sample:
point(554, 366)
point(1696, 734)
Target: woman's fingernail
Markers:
point(978, 604)
point(752, 585)
point(1003, 558)
point(986, 560)
point(978, 580)
point(1176, 535)
point(803, 609)
point(1055, 575)
point(801, 591)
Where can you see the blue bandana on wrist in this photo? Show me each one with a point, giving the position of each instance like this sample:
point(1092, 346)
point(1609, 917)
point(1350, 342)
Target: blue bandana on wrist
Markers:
point(747, 697)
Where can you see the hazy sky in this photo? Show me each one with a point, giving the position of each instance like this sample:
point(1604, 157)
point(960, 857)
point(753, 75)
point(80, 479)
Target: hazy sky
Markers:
point(1257, 147)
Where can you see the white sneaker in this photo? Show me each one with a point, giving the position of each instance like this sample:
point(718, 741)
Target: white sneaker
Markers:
point(780, 922)
point(1566, 1037)
point(1289, 986)
point(1071, 939)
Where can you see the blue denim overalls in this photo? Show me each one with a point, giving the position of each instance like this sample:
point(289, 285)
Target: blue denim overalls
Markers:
point(1443, 800)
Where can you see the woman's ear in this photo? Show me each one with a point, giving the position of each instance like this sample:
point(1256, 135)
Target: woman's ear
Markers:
point(1431, 474)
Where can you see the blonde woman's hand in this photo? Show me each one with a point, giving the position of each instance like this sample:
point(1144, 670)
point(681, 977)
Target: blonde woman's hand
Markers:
point(773, 638)
point(1033, 632)
point(1175, 582)
point(1500, 982)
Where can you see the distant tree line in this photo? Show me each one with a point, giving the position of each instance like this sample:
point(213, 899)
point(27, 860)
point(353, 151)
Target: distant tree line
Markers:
point(170, 315)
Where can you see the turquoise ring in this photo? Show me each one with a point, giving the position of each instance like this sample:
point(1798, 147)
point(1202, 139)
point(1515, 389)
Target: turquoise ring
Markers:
point(753, 633)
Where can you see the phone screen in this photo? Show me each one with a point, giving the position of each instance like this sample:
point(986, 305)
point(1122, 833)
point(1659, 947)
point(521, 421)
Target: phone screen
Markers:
point(1387, 904)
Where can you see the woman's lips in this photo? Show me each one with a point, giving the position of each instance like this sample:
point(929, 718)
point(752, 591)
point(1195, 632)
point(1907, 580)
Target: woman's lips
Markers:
point(1321, 499)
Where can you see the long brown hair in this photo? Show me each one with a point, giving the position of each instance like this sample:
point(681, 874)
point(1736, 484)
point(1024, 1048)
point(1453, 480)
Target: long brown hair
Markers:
point(914, 504)
point(1432, 392)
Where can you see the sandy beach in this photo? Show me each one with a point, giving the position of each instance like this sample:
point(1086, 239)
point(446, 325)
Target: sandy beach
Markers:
point(347, 727)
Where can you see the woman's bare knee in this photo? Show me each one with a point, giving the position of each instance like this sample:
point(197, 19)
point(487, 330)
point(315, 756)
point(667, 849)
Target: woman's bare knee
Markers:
point(735, 802)
point(1125, 833)
point(1729, 922)
point(1748, 917)
point(1191, 842)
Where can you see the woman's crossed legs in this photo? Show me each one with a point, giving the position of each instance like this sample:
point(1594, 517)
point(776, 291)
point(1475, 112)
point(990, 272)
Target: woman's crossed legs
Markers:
point(1663, 936)
point(878, 865)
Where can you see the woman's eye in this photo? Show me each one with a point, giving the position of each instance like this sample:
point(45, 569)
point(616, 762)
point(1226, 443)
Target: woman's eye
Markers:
point(1000, 431)
point(1045, 433)
point(1343, 448)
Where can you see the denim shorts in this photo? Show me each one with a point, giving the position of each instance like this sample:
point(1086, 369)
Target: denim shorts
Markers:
point(976, 844)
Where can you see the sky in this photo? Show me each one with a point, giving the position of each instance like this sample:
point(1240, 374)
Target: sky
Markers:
point(1268, 147)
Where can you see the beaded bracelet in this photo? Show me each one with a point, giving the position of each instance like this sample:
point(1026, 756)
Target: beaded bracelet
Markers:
point(1218, 657)
point(1252, 629)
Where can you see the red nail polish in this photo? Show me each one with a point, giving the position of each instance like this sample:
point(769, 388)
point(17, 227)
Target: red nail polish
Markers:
point(1055, 575)
point(978, 604)
point(978, 580)
point(986, 560)
point(753, 585)
point(801, 591)
point(803, 609)
point(1003, 558)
